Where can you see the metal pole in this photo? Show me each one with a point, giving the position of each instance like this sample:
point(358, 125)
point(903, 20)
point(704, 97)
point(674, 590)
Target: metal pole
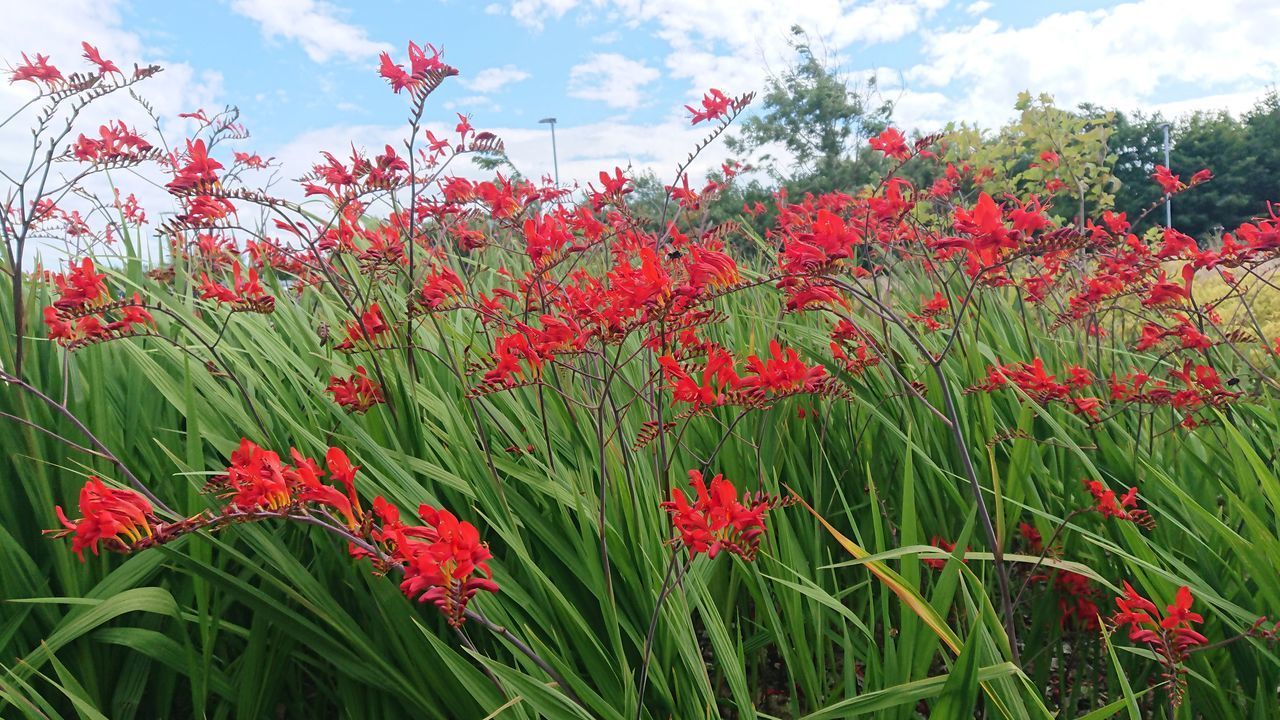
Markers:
point(1168, 199)
point(556, 155)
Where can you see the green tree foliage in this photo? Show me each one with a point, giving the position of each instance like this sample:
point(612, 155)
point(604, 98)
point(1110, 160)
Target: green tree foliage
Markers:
point(1243, 153)
point(1046, 151)
point(812, 124)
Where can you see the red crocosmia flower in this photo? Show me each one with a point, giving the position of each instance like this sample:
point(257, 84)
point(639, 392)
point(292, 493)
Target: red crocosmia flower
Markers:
point(707, 388)
point(988, 237)
point(304, 481)
point(1200, 176)
point(1124, 508)
point(115, 141)
point(717, 520)
point(715, 104)
point(1090, 407)
point(199, 169)
point(256, 479)
point(1170, 637)
point(1075, 601)
point(1029, 533)
point(1167, 181)
point(80, 287)
point(1078, 377)
point(92, 55)
point(892, 143)
point(62, 331)
point(420, 63)
point(781, 373)
point(342, 471)
point(38, 71)
point(356, 393)
point(545, 236)
point(371, 327)
point(1164, 293)
point(940, 563)
point(463, 127)
point(132, 315)
point(444, 563)
point(251, 160)
point(116, 518)
point(1179, 613)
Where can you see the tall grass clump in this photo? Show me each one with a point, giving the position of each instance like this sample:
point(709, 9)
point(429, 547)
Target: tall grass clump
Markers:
point(423, 444)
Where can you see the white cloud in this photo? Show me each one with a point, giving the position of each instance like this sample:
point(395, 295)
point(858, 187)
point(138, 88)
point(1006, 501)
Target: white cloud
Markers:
point(612, 79)
point(56, 28)
point(535, 13)
point(978, 8)
point(1131, 55)
point(731, 44)
point(312, 24)
point(494, 79)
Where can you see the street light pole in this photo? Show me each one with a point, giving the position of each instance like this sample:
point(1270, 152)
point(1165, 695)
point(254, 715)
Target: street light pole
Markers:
point(555, 159)
point(1168, 199)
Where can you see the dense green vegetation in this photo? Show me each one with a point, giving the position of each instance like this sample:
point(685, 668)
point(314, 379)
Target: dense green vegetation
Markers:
point(932, 548)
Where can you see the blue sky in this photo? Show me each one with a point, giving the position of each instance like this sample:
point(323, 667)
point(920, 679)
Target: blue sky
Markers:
point(617, 72)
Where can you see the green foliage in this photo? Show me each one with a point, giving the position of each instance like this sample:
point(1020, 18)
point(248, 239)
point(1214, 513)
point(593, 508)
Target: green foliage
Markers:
point(278, 621)
point(821, 121)
point(1241, 152)
point(1080, 146)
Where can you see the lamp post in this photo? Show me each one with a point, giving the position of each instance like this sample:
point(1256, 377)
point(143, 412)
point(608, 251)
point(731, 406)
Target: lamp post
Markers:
point(1168, 199)
point(555, 160)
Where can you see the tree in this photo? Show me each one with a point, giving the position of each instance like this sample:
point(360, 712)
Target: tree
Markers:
point(821, 121)
point(1244, 155)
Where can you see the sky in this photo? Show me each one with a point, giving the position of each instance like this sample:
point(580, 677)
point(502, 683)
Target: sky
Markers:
point(617, 73)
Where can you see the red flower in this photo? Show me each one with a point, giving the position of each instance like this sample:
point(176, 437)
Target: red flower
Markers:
point(709, 388)
point(256, 479)
point(1170, 637)
point(892, 143)
point(114, 517)
point(1126, 508)
point(444, 562)
point(1029, 533)
point(104, 66)
point(940, 563)
point(1075, 600)
point(38, 71)
point(370, 328)
point(715, 104)
point(717, 520)
point(356, 393)
point(1167, 181)
point(81, 286)
point(419, 65)
point(246, 293)
point(781, 373)
point(199, 169)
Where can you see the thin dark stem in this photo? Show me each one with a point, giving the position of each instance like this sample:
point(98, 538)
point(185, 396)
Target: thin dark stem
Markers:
point(1044, 552)
point(667, 587)
point(528, 652)
point(93, 439)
